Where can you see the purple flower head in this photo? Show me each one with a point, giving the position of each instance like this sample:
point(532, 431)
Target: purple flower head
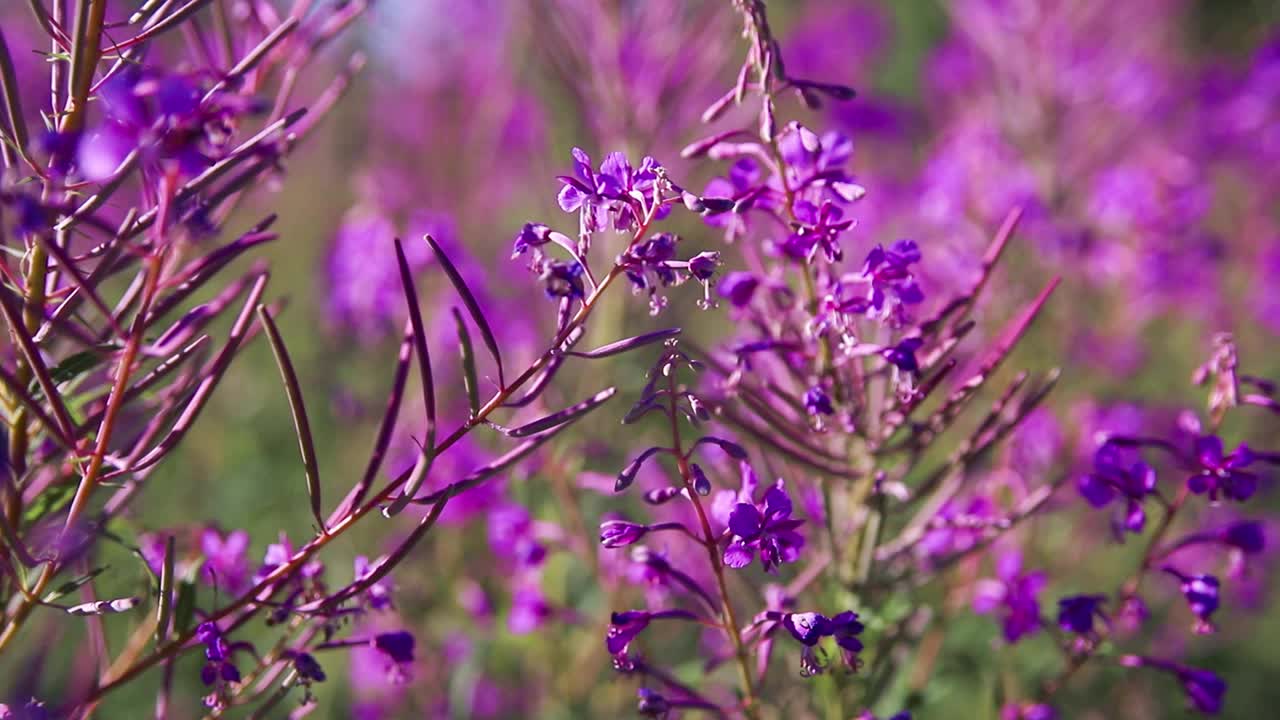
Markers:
point(617, 190)
point(903, 354)
point(738, 288)
point(818, 402)
point(1111, 478)
point(1222, 474)
point(1245, 536)
point(562, 279)
point(766, 526)
point(1013, 594)
point(226, 562)
point(1204, 688)
point(1077, 612)
point(623, 628)
point(742, 186)
point(891, 285)
point(808, 627)
point(397, 647)
point(308, 669)
point(529, 609)
point(820, 230)
point(620, 533)
point(511, 536)
point(845, 628)
point(363, 293)
point(1202, 596)
point(217, 652)
point(164, 116)
point(652, 263)
point(532, 236)
point(651, 703)
point(279, 554)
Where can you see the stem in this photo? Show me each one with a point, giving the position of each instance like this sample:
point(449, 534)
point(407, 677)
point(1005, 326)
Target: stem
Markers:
point(106, 429)
point(730, 622)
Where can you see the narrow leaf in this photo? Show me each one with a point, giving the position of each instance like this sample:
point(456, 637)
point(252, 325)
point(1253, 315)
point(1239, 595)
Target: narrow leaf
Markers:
point(184, 608)
point(419, 342)
point(12, 98)
point(72, 585)
point(559, 418)
point(164, 608)
point(299, 409)
point(18, 391)
point(34, 361)
point(469, 380)
point(472, 306)
point(628, 344)
point(399, 379)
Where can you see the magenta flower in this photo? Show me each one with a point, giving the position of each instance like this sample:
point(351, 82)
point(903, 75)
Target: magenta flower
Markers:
point(1013, 595)
point(226, 563)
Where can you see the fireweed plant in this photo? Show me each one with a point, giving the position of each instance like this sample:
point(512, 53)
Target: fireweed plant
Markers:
point(807, 498)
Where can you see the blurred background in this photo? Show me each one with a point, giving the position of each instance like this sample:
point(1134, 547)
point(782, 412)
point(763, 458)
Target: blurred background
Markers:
point(1142, 138)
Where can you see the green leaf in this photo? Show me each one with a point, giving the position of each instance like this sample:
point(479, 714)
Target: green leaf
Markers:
point(72, 585)
point(184, 609)
point(75, 366)
point(468, 363)
point(51, 500)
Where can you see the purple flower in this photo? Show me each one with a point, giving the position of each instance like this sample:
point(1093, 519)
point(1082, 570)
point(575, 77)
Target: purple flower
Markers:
point(167, 116)
point(845, 628)
point(890, 277)
point(1077, 612)
point(738, 288)
point(226, 564)
point(1204, 688)
point(396, 646)
point(769, 528)
point(308, 669)
point(511, 536)
point(219, 667)
point(1222, 475)
point(1245, 536)
point(651, 703)
point(1111, 479)
point(623, 628)
point(363, 293)
point(529, 609)
point(820, 230)
point(620, 533)
point(616, 190)
point(562, 279)
point(818, 402)
point(807, 628)
point(1201, 594)
point(1013, 595)
point(903, 355)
